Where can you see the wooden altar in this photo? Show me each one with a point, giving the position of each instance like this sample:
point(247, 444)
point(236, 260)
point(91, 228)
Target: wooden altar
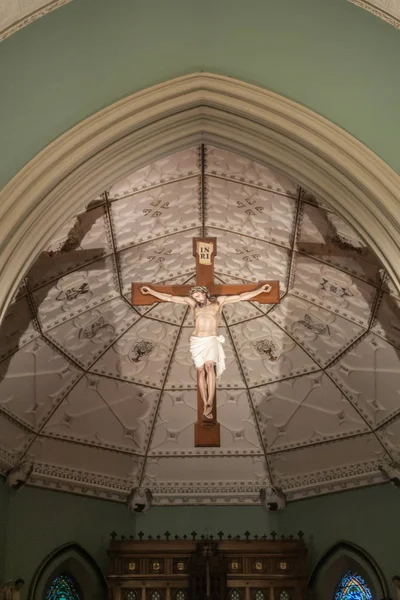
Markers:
point(238, 569)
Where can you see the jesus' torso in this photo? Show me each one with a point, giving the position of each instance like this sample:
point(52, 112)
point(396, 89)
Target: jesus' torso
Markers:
point(206, 319)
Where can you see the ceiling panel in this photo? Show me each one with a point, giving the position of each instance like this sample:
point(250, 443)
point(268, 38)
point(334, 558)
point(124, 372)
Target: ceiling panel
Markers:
point(238, 168)
point(76, 292)
point(174, 167)
point(159, 260)
point(267, 353)
point(303, 411)
point(13, 437)
point(327, 237)
point(248, 258)
point(332, 289)
point(387, 320)
point(81, 241)
point(333, 461)
point(322, 333)
point(34, 381)
point(90, 464)
point(141, 355)
point(86, 337)
point(105, 413)
point(201, 472)
point(369, 375)
point(173, 431)
point(18, 327)
point(157, 212)
point(249, 210)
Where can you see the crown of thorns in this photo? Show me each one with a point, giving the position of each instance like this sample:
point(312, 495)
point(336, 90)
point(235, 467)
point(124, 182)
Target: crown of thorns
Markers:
point(198, 288)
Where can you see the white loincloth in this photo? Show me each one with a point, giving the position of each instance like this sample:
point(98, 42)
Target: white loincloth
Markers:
point(208, 349)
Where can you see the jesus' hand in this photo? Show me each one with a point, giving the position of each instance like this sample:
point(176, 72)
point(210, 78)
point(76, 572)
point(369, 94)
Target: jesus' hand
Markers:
point(145, 289)
point(266, 287)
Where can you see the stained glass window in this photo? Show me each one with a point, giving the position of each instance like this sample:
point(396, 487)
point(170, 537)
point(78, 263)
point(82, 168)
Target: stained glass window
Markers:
point(352, 587)
point(63, 587)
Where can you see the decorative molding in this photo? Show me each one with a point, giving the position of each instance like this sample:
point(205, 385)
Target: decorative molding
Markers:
point(24, 16)
point(80, 482)
point(7, 460)
point(149, 541)
point(388, 10)
point(195, 492)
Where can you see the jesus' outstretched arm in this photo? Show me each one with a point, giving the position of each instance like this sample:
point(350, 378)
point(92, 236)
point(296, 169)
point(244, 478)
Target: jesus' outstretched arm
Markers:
point(245, 296)
point(167, 297)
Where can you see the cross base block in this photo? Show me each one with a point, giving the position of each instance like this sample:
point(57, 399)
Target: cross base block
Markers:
point(207, 435)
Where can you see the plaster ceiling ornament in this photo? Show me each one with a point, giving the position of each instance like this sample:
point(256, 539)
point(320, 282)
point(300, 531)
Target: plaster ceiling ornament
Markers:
point(99, 396)
point(388, 10)
point(19, 13)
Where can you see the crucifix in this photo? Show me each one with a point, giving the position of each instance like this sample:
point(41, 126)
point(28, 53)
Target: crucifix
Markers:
point(206, 299)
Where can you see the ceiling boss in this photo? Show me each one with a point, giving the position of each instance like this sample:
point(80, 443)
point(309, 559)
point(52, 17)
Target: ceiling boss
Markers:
point(206, 300)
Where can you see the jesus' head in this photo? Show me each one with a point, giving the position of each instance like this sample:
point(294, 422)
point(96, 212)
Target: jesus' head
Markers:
point(201, 295)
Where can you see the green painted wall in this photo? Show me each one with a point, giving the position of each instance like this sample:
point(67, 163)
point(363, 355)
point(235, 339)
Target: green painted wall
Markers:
point(38, 521)
point(4, 501)
point(326, 54)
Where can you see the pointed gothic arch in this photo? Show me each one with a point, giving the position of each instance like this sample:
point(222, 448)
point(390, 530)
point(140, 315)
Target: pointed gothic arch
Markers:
point(186, 111)
point(341, 558)
point(74, 560)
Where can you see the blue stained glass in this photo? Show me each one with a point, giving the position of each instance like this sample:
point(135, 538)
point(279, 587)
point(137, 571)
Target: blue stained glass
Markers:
point(63, 587)
point(352, 587)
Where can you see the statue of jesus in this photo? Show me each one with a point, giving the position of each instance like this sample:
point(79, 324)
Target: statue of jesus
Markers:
point(205, 343)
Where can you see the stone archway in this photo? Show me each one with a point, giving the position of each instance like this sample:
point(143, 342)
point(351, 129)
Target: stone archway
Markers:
point(180, 113)
point(337, 560)
point(74, 560)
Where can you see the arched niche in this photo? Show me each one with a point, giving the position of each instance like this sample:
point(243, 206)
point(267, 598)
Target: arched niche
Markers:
point(74, 560)
point(180, 113)
point(336, 562)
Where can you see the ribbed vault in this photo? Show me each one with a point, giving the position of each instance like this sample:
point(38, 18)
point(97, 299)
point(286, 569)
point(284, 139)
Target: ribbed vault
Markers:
point(101, 395)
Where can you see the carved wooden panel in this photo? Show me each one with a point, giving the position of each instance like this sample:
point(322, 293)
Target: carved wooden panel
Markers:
point(262, 569)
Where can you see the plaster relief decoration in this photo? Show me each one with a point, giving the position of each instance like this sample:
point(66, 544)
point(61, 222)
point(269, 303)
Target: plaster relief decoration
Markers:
point(99, 394)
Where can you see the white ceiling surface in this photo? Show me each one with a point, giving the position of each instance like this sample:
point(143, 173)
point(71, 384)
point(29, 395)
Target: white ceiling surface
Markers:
point(101, 395)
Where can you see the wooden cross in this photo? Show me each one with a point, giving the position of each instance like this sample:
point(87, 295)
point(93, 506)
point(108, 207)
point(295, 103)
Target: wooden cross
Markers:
point(206, 433)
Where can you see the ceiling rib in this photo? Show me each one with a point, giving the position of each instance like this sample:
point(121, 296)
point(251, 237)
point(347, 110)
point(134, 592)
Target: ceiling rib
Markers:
point(111, 231)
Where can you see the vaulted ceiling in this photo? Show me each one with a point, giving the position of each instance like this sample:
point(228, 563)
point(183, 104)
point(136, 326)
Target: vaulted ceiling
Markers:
point(100, 395)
